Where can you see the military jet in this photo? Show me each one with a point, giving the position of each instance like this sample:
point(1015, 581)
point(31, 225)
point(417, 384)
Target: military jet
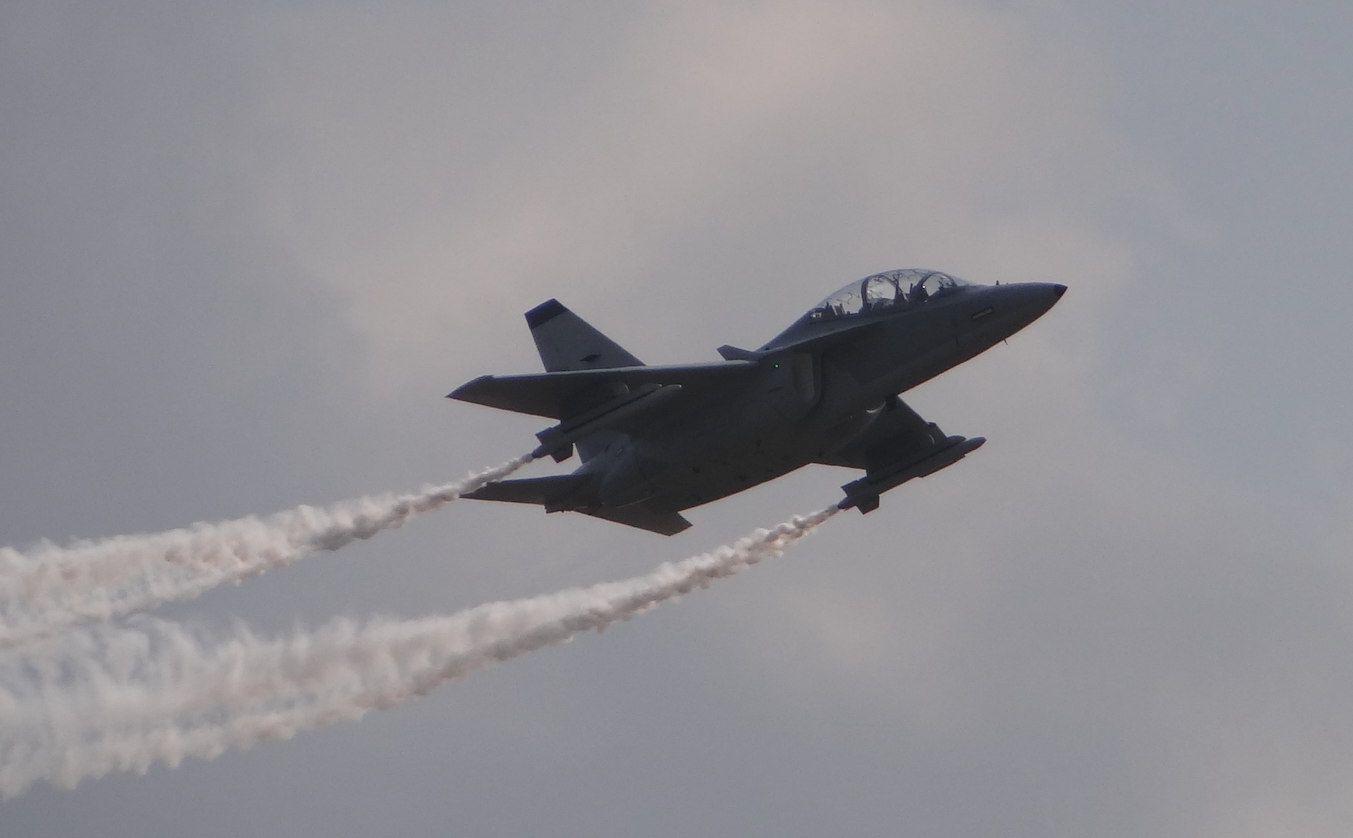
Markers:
point(656, 440)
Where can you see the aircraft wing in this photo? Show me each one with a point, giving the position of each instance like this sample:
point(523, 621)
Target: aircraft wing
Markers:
point(897, 431)
point(898, 446)
point(545, 394)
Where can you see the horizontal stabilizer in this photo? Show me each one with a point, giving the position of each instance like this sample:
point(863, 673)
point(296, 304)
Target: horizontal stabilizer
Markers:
point(662, 523)
point(543, 491)
point(555, 493)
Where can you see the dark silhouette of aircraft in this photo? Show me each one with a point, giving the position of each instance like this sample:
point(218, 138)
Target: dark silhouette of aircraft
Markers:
point(656, 440)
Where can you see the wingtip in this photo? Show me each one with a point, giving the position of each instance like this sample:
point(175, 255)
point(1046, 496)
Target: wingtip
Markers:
point(461, 393)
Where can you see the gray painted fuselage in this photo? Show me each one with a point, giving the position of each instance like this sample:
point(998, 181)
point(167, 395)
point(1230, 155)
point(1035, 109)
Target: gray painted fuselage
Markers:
point(802, 404)
point(824, 390)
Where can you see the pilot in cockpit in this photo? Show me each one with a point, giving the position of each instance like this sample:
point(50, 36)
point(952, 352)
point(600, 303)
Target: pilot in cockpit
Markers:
point(881, 292)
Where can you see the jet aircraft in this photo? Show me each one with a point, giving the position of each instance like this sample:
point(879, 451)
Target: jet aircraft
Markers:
point(656, 440)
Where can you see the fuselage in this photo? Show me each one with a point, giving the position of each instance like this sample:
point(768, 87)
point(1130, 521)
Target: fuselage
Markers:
point(818, 387)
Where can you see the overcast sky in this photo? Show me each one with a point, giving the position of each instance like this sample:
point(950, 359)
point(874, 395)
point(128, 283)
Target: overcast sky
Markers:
point(246, 248)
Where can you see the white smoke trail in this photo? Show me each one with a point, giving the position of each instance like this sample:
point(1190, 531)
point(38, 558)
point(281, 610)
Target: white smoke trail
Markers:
point(49, 587)
point(116, 699)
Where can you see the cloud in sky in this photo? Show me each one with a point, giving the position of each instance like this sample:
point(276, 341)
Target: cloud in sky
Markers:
point(248, 249)
point(943, 132)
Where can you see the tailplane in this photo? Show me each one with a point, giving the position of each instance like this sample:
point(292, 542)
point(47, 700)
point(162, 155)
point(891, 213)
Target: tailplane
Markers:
point(545, 491)
point(662, 523)
point(566, 492)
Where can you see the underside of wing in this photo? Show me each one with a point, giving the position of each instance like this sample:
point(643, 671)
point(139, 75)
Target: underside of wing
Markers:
point(898, 446)
point(555, 394)
point(897, 431)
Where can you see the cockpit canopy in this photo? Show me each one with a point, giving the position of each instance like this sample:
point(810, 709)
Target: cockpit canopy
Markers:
point(887, 290)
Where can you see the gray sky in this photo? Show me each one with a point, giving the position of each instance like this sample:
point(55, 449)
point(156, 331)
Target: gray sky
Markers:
point(248, 247)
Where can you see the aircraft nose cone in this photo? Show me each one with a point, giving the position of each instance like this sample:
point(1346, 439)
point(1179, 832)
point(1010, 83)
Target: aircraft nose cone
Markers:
point(1028, 301)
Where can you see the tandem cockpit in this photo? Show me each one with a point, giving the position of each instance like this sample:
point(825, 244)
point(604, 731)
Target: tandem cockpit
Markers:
point(886, 291)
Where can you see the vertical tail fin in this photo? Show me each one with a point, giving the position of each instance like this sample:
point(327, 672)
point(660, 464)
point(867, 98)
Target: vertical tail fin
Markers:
point(566, 342)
